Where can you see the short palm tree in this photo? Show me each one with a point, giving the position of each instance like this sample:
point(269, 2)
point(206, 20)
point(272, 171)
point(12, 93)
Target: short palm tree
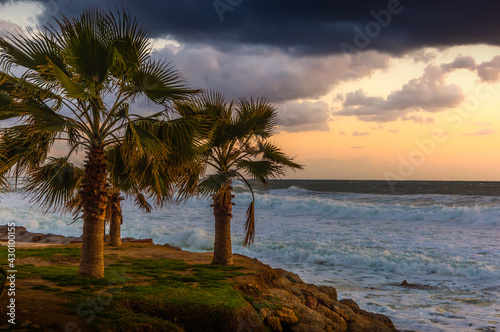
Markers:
point(79, 80)
point(239, 148)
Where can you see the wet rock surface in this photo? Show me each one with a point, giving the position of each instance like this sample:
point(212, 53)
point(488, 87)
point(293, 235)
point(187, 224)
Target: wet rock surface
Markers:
point(286, 303)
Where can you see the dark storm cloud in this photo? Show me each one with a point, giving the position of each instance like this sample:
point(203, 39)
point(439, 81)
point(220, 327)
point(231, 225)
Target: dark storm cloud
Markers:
point(312, 27)
point(258, 71)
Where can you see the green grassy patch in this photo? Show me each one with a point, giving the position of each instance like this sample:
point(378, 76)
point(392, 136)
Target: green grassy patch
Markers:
point(144, 294)
point(46, 288)
point(119, 319)
point(64, 275)
point(48, 254)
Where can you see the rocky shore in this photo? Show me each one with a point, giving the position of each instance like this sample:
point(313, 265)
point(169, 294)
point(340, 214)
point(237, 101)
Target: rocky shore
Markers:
point(23, 235)
point(303, 307)
point(271, 299)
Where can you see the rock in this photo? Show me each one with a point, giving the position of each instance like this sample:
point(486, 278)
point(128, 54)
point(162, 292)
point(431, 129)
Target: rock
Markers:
point(345, 312)
point(310, 300)
point(247, 320)
point(22, 235)
point(341, 324)
point(307, 307)
point(351, 304)
point(132, 240)
point(250, 289)
point(416, 286)
point(287, 316)
point(172, 247)
point(331, 292)
point(36, 238)
point(363, 320)
point(264, 312)
point(274, 323)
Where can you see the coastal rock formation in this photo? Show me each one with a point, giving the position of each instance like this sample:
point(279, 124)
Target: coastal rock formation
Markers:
point(286, 303)
point(22, 235)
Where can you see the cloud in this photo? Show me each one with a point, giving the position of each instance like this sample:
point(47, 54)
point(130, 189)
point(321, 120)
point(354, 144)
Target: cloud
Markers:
point(313, 28)
point(259, 71)
point(357, 147)
point(393, 131)
point(428, 93)
point(7, 26)
point(482, 132)
point(489, 71)
point(305, 116)
point(460, 62)
point(487, 124)
point(418, 119)
point(357, 133)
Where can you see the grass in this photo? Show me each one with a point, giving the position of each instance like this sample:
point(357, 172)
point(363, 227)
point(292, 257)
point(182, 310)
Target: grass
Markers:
point(46, 288)
point(141, 294)
point(49, 254)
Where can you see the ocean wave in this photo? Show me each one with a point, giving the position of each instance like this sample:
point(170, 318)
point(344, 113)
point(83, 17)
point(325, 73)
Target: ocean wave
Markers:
point(375, 207)
point(363, 259)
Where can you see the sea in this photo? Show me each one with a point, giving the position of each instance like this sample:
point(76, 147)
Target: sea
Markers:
point(362, 237)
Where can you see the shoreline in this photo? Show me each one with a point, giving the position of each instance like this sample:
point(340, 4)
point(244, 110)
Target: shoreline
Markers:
point(273, 298)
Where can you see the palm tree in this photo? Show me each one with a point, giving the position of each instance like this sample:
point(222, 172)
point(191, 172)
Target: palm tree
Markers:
point(81, 77)
point(239, 148)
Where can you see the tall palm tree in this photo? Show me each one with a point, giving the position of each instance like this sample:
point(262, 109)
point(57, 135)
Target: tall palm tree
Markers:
point(81, 77)
point(239, 148)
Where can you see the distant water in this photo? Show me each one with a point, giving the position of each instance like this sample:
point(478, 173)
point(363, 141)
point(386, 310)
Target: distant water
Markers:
point(362, 237)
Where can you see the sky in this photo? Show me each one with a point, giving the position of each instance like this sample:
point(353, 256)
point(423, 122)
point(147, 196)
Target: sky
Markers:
point(369, 90)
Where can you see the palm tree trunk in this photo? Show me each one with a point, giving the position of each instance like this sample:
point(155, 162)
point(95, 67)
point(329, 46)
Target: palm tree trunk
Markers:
point(223, 253)
point(94, 198)
point(115, 238)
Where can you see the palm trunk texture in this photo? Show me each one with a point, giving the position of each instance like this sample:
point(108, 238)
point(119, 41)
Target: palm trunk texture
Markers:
point(223, 254)
point(115, 237)
point(94, 196)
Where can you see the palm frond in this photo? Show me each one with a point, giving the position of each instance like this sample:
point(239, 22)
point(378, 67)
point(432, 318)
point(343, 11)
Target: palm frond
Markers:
point(212, 184)
point(54, 184)
point(32, 51)
point(85, 47)
point(260, 170)
point(139, 141)
point(271, 152)
point(160, 82)
point(250, 225)
point(25, 147)
point(141, 202)
point(128, 42)
point(258, 116)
